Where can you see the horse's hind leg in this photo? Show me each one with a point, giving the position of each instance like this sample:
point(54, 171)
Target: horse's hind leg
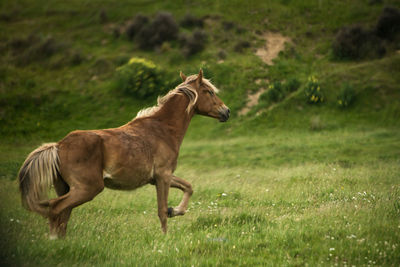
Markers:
point(58, 224)
point(186, 187)
point(61, 207)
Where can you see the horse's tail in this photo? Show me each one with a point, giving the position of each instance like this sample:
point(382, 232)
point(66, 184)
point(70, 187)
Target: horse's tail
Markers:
point(37, 174)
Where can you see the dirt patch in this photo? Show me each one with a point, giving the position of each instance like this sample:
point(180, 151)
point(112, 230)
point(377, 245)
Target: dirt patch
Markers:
point(252, 100)
point(274, 43)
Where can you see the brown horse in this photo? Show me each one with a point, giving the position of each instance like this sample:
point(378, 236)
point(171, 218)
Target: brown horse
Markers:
point(143, 151)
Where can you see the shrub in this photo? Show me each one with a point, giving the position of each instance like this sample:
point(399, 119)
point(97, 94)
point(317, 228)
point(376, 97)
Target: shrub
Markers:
point(69, 58)
point(346, 96)
point(138, 23)
point(18, 45)
point(313, 91)
point(103, 18)
point(354, 42)
point(228, 25)
point(221, 54)
point(48, 47)
point(116, 32)
point(38, 50)
point(388, 25)
point(163, 28)
point(275, 93)
point(190, 21)
point(192, 44)
point(141, 78)
point(292, 84)
point(150, 34)
point(241, 46)
point(75, 58)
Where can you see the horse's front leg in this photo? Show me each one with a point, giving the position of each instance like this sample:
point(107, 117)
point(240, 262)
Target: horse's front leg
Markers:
point(162, 187)
point(186, 187)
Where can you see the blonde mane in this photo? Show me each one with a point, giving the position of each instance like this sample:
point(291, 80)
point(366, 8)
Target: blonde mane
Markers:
point(184, 88)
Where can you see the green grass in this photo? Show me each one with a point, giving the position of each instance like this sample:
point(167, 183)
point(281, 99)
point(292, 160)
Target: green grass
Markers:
point(316, 198)
point(288, 184)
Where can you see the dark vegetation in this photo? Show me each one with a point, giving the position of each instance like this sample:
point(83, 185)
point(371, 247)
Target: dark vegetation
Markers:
point(193, 43)
point(136, 26)
point(355, 42)
point(278, 91)
point(388, 25)
point(241, 46)
point(358, 42)
point(154, 33)
point(347, 95)
point(190, 21)
point(36, 48)
point(161, 29)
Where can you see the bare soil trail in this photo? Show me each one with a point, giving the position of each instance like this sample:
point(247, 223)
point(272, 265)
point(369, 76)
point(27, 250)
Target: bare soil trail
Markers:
point(274, 44)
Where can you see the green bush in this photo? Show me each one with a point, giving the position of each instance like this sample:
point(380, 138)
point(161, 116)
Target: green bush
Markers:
point(292, 85)
point(346, 95)
point(141, 78)
point(275, 93)
point(313, 91)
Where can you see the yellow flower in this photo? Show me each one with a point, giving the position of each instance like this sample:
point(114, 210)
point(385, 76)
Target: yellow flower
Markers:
point(318, 89)
point(313, 79)
point(340, 102)
point(312, 98)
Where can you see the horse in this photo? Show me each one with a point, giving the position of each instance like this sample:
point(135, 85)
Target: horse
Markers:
point(143, 151)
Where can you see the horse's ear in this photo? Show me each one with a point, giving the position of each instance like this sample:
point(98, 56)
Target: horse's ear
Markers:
point(199, 77)
point(183, 76)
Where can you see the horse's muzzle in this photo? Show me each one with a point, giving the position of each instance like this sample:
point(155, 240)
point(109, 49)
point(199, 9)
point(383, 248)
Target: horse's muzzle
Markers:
point(224, 114)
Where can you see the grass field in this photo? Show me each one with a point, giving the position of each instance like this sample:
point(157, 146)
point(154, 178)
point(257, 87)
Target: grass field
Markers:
point(285, 198)
point(288, 184)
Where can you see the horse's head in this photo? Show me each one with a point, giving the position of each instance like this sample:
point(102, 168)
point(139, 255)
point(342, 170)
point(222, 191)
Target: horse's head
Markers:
point(208, 103)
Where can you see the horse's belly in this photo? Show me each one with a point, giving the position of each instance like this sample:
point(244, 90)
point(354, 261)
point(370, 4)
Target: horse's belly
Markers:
point(126, 182)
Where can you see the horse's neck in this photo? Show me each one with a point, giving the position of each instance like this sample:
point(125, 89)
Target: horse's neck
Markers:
point(173, 114)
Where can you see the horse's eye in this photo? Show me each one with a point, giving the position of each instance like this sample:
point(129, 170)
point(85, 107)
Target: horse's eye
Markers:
point(211, 93)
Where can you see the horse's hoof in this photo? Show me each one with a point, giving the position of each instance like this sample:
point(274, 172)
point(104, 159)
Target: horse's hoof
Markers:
point(170, 212)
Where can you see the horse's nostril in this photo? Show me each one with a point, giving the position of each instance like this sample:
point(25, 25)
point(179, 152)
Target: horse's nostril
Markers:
point(229, 111)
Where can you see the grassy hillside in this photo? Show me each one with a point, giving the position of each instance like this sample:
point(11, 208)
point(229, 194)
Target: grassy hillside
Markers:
point(289, 183)
point(58, 59)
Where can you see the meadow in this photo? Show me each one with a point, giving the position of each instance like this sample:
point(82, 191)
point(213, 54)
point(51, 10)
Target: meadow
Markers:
point(290, 183)
point(285, 198)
